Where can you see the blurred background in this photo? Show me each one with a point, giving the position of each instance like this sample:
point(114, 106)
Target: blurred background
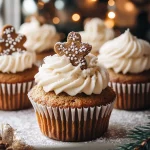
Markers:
point(70, 15)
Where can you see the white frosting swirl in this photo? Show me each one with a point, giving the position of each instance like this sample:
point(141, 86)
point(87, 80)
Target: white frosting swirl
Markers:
point(126, 54)
point(96, 33)
point(39, 38)
point(16, 62)
point(59, 75)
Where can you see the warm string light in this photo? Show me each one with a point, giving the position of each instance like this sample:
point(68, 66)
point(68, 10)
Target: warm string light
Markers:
point(56, 20)
point(109, 23)
point(40, 4)
point(111, 15)
point(75, 17)
point(129, 6)
point(111, 2)
point(93, 0)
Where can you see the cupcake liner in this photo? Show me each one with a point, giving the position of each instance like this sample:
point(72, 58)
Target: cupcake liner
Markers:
point(73, 124)
point(14, 96)
point(132, 96)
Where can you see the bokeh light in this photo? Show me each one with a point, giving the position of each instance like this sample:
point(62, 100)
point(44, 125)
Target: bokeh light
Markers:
point(41, 4)
point(45, 1)
point(59, 4)
point(111, 2)
point(93, 0)
point(56, 20)
point(109, 23)
point(29, 7)
point(75, 17)
point(129, 6)
point(111, 15)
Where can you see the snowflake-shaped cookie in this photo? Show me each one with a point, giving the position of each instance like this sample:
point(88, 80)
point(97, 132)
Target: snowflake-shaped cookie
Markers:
point(11, 41)
point(74, 49)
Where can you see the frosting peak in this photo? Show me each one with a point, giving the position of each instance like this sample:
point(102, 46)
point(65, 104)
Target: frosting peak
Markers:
point(16, 62)
point(96, 33)
point(59, 75)
point(125, 54)
point(39, 37)
point(95, 25)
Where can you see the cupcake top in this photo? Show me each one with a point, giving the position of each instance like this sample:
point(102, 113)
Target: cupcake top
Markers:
point(72, 70)
point(126, 54)
point(13, 55)
point(96, 33)
point(39, 37)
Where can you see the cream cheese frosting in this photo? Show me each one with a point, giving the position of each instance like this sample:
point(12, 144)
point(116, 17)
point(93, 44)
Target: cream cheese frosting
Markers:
point(39, 38)
point(96, 33)
point(59, 75)
point(126, 54)
point(16, 62)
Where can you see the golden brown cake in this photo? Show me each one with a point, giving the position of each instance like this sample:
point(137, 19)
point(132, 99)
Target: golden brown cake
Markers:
point(78, 131)
point(128, 61)
point(16, 70)
point(24, 76)
point(78, 101)
point(72, 99)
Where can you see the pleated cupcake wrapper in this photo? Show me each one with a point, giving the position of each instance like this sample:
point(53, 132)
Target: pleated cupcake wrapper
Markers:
point(132, 96)
point(73, 124)
point(14, 96)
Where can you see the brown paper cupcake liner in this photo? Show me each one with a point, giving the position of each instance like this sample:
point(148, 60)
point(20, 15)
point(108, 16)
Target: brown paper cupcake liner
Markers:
point(14, 96)
point(73, 124)
point(131, 96)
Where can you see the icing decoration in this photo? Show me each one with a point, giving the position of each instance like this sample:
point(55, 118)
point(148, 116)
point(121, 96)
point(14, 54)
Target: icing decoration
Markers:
point(11, 41)
point(74, 49)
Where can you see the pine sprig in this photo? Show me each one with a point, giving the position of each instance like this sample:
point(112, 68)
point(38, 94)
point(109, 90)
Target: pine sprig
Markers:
point(140, 138)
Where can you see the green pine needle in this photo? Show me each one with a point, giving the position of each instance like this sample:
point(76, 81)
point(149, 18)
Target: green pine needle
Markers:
point(137, 136)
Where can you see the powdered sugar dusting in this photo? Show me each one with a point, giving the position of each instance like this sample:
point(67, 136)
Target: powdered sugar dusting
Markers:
point(120, 123)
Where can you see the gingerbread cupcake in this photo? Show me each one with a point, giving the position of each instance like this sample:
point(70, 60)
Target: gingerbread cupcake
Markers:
point(96, 33)
point(40, 38)
point(72, 99)
point(16, 70)
point(128, 61)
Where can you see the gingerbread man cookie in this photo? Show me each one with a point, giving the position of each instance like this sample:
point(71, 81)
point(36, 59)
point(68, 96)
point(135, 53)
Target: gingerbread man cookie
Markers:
point(11, 41)
point(74, 49)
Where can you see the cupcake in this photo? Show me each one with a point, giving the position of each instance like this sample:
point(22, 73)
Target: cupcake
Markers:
point(96, 33)
point(16, 70)
point(128, 61)
point(40, 38)
point(72, 99)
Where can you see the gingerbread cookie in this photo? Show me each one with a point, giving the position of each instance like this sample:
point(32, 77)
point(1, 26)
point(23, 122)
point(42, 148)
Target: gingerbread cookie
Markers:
point(74, 49)
point(11, 41)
